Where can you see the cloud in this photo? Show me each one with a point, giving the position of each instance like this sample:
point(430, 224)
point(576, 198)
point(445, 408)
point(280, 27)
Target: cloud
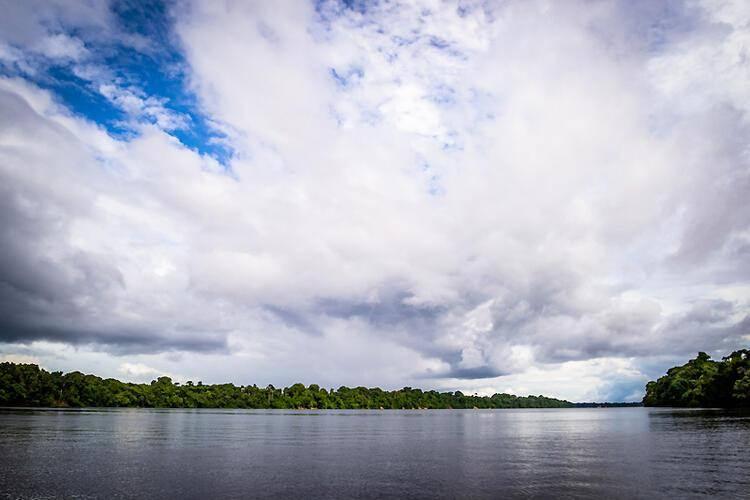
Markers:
point(144, 373)
point(61, 46)
point(19, 358)
point(526, 196)
point(601, 379)
point(137, 369)
point(146, 107)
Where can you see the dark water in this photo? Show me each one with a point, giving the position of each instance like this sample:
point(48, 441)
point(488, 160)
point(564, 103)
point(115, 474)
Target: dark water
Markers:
point(595, 453)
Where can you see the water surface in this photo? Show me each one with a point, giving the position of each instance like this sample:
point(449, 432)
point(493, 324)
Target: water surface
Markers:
point(595, 453)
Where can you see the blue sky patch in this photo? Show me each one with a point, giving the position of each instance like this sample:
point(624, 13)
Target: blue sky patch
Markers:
point(141, 58)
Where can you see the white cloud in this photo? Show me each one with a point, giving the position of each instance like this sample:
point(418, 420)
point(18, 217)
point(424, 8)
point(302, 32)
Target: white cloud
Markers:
point(711, 67)
point(144, 107)
point(140, 372)
point(603, 379)
point(61, 46)
point(137, 369)
point(19, 358)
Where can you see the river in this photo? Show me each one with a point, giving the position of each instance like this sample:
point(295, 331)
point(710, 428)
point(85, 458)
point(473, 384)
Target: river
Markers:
point(540, 453)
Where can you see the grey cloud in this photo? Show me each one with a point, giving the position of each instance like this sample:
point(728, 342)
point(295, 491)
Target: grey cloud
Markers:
point(50, 290)
point(118, 342)
point(625, 390)
point(706, 326)
point(480, 372)
point(717, 205)
point(294, 319)
point(24, 23)
point(390, 310)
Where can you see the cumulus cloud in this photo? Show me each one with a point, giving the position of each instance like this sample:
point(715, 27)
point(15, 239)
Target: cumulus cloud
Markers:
point(522, 196)
point(135, 104)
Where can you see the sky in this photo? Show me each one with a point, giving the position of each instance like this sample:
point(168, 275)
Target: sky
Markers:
point(534, 197)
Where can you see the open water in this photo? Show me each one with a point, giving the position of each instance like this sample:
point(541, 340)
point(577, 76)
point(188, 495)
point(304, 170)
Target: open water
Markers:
point(566, 453)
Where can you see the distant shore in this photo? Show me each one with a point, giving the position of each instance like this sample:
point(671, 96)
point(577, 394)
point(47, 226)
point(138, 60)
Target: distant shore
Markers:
point(30, 386)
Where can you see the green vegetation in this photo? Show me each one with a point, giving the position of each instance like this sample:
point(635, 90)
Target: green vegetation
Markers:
point(703, 382)
point(28, 385)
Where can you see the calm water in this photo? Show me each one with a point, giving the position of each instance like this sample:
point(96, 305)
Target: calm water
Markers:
point(597, 453)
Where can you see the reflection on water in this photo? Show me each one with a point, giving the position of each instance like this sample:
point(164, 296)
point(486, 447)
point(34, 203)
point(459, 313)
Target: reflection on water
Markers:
point(596, 453)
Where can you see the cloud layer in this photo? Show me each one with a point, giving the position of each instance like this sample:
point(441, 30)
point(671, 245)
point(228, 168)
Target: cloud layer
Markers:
point(523, 196)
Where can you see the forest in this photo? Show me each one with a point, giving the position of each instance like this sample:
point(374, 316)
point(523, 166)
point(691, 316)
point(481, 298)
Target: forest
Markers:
point(29, 385)
point(702, 382)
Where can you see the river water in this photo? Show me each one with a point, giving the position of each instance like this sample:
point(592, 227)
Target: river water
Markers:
point(567, 453)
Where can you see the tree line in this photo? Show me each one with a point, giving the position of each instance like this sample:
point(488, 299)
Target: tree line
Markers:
point(29, 385)
point(702, 382)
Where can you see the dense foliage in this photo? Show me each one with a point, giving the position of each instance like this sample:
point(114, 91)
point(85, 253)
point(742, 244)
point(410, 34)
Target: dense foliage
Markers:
point(703, 382)
point(28, 385)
